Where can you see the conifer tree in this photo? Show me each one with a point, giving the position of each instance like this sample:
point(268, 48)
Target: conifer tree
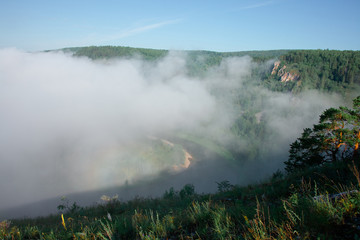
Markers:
point(335, 138)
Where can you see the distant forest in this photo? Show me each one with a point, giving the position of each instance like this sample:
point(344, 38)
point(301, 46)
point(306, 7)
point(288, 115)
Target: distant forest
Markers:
point(324, 70)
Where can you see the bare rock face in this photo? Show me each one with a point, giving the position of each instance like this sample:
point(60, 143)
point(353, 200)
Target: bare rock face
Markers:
point(275, 68)
point(285, 76)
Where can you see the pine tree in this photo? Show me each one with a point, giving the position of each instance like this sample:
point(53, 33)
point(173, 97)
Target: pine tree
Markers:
point(335, 138)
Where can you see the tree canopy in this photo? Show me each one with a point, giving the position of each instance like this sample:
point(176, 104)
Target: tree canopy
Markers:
point(335, 138)
point(325, 70)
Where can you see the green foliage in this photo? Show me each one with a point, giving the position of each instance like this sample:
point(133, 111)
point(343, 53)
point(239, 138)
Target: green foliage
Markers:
point(210, 221)
point(107, 230)
point(106, 52)
point(197, 62)
point(187, 191)
point(335, 138)
point(300, 205)
point(171, 194)
point(149, 226)
point(263, 227)
point(208, 144)
point(66, 207)
point(329, 71)
point(224, 186)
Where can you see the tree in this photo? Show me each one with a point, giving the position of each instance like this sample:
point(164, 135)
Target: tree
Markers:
point(171, 194)
point(187, 191)
point(335, 138)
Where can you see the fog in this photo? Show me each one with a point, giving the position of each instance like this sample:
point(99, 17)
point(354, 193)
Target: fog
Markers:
point(65, 121)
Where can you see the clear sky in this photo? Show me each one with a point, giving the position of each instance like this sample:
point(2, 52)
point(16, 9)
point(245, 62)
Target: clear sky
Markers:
point(221, 25)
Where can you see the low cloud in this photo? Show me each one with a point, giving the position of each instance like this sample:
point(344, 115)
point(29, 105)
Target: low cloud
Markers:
point(67, 123)
point(58, 112)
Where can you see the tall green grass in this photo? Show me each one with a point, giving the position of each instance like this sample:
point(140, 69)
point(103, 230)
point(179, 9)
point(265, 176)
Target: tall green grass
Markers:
point(296, 206)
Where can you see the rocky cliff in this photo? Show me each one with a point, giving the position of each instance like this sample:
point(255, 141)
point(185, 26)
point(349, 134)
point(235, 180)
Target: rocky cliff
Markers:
point(283, 74)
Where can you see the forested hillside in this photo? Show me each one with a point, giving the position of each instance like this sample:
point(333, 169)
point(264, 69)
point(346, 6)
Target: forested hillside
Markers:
point(197, 62)
point(325, 70)
point(106, 52)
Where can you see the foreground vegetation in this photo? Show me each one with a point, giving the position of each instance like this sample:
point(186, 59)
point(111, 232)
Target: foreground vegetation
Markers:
point(312, 200)
point(295, 206)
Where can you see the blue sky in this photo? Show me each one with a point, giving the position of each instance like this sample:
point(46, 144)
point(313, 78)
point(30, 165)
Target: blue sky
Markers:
point(222, 25)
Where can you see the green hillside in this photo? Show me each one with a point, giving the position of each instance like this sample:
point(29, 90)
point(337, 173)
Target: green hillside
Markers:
point(106, 52)
point(197, 62)
point(325, 70)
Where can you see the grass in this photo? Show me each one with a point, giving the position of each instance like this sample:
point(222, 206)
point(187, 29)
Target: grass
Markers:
point(208, 144)
point(296, 206)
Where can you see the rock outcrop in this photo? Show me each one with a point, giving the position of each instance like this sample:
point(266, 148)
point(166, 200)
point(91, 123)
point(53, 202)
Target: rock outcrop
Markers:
point(285, 76)
point(275, 68)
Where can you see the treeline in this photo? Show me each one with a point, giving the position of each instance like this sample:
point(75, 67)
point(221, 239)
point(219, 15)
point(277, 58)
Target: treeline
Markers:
point(339, 66)
point(107, 52)
point(197, 62)
point(325, 70)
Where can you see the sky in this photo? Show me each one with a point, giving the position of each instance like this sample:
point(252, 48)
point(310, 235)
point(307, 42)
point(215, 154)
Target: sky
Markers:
point(228, 25)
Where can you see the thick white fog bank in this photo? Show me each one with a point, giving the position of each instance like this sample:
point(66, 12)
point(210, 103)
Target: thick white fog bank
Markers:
point(58, 112)
point(65, 121)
